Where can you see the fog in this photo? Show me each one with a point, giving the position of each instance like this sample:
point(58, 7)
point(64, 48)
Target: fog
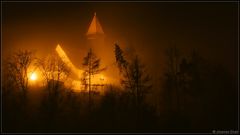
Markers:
point(183, 93)
point(149, 28)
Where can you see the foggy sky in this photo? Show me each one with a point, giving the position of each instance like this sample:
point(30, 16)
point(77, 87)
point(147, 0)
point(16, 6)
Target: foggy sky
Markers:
point(210, 28)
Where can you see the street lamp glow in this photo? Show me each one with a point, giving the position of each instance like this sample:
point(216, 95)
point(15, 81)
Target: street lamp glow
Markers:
point(33, 76)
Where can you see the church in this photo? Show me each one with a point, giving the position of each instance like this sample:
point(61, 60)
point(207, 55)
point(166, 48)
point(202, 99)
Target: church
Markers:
point(95, 37)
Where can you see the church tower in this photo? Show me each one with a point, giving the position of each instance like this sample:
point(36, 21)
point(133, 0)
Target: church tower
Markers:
point(95, 37)
point(95, 30)
point(96, 41)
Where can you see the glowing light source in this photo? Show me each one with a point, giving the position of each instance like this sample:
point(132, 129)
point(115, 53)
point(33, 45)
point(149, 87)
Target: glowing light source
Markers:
point(101, 78)
point(33, 76)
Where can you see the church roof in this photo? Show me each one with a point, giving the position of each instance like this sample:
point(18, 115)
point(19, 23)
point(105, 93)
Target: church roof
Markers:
point(95, 27)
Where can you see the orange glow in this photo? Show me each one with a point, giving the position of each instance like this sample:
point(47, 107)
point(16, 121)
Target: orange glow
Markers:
point(33, 76)
point(98, 79)
point(102, 78)
point(67, 61)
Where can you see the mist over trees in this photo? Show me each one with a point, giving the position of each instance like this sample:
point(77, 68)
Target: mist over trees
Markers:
point(193, 92)
point(196, 96)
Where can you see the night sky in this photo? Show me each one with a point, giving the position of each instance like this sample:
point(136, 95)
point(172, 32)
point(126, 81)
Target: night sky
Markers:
point(149, 28)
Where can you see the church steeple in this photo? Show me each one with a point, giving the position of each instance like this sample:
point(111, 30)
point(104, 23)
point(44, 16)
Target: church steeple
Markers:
point(95, 28)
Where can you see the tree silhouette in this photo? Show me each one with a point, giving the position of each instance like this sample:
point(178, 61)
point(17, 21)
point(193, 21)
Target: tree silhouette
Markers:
point(15, 88)
point(140, 80)
point(122, 66)
point(135, 78)
point(54, 72)
point(92, 66)
point(18, 66)
point(172, 77)
point(121, 62)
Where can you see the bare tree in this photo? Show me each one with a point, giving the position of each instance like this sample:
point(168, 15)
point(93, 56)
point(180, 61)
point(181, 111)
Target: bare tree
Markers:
point(18, 65)
point(53, 70)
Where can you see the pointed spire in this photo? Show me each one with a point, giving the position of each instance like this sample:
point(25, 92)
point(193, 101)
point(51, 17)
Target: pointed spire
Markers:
point(95, 27)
